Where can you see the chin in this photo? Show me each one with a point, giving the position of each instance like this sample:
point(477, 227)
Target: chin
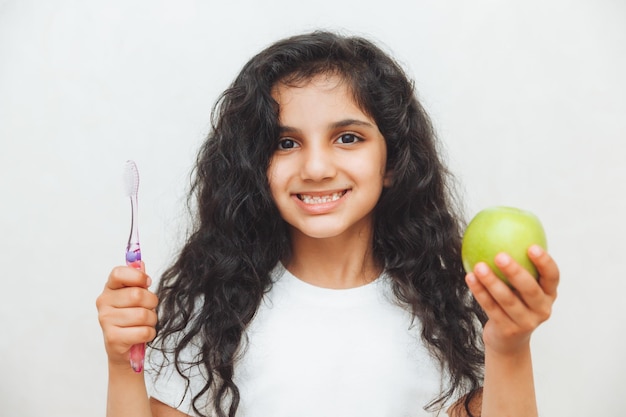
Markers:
point(319, 233)
point(329, 231)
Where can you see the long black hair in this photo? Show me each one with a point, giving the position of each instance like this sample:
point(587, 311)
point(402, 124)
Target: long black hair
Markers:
point(213, 289)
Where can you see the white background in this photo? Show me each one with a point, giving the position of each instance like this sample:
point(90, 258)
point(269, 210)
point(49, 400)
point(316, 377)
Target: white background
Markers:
point(528, 97)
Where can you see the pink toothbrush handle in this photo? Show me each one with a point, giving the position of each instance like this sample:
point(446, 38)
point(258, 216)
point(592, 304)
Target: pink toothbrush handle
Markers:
point(137, 354)
point(138, 351)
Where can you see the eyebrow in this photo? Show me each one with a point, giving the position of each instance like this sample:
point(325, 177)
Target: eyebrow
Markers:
point(334, 125)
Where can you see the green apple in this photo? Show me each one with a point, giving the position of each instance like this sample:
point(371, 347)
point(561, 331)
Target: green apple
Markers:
point(502, 229)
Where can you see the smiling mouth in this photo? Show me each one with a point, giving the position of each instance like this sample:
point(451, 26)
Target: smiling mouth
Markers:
point(320, 199)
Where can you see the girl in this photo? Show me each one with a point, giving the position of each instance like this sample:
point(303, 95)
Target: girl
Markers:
point(323, 275)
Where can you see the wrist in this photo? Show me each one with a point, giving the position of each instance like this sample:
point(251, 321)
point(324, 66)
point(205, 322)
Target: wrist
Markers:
point(507, 346)
point(508, 351)
point(508, 360)
point(509, 383)
point(118, 367)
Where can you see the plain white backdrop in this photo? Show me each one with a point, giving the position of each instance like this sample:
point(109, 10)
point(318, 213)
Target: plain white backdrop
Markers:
point(529, 99)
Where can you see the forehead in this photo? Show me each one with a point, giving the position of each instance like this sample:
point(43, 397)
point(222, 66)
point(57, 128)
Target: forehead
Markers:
point(322, 82)
point(323, 92)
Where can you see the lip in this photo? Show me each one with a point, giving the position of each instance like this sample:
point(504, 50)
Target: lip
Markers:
point(321, 208)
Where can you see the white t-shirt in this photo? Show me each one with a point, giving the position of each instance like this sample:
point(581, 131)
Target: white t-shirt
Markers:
point(314, 352)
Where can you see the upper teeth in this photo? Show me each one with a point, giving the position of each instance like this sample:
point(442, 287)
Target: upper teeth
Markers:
point(308, 199)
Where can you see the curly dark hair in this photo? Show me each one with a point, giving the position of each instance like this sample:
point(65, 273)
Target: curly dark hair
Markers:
point(213, 289)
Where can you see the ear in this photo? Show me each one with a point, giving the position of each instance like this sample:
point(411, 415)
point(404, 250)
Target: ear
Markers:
point(388, 178)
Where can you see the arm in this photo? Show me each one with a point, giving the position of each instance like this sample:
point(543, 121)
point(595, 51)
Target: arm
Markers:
point(513, 316)
point(127, 317)
point(127, 396)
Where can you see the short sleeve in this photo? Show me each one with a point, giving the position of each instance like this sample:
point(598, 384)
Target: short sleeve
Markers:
point(165, 384)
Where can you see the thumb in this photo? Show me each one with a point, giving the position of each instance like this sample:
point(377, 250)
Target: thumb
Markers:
point(142, 268)
point(140, 265)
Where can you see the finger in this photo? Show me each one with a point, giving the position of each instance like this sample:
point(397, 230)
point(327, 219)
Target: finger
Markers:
point(120, 326)
point(125, 276)
point(549, 274)
point(130, 297)
point(510, 301)
point(480, 293)
point(538, 303)
point(119, 340)
point(495, 297)
point(522, 281)
point(134, 317)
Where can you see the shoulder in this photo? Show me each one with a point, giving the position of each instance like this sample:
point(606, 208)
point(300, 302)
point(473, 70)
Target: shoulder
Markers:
point(475, 404)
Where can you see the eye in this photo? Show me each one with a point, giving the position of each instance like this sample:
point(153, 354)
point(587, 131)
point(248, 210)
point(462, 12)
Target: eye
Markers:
point(348, 138)
point(287, 144)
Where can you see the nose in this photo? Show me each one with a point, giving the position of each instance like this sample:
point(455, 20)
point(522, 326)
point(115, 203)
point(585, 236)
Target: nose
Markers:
point(318, 164)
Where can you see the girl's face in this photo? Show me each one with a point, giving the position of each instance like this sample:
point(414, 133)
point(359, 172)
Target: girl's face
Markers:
point(328, 170)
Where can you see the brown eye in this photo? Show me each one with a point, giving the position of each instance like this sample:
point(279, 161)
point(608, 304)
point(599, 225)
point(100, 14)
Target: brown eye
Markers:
point(348, 138)
point(287, 144)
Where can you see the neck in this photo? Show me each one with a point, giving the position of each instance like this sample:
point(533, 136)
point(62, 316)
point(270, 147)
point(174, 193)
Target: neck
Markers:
point(337, 262)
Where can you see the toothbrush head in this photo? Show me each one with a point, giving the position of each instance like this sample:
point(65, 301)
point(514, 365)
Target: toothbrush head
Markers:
point(131, 178)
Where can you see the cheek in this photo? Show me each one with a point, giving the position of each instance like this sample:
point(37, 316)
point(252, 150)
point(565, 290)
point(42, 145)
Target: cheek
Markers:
point(386, 174)
point(271, 181)
point(274, 178)
point(386, 171)
point(381, 161)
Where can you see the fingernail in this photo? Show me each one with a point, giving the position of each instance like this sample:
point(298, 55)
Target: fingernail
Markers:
point(470, 278)
point(149, 281)
point(535, 250)
point(481, 268)
point(502, 259)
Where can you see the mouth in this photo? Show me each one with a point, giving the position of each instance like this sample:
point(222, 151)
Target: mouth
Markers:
point(321, 199)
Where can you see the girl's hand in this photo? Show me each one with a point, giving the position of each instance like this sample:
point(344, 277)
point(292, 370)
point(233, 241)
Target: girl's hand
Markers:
point(514, 313)
point(126, 311)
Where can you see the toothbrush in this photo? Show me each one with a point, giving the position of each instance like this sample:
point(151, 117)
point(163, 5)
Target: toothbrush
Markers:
point(133, 251)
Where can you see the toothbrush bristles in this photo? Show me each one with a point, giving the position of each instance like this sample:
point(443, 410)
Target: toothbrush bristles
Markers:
point(131, 178)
